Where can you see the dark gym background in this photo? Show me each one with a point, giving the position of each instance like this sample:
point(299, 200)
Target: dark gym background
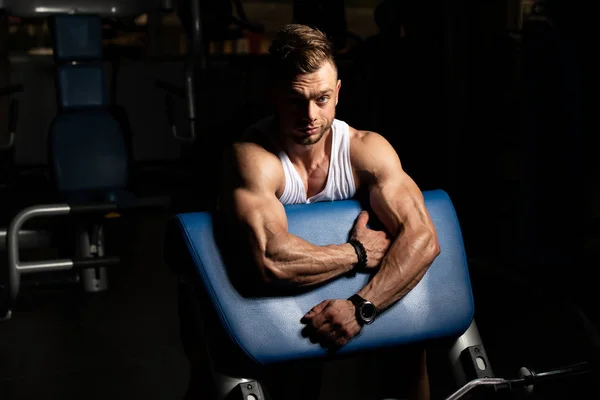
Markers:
point(482, 99)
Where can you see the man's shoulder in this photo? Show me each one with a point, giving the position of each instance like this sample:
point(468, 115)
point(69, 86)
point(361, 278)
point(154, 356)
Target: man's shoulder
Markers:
point(254, 150)
point(364, 138)
point(365, 144)
point(253, 154)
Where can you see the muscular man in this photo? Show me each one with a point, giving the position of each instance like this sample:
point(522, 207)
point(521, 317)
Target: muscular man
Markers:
point(303, 154)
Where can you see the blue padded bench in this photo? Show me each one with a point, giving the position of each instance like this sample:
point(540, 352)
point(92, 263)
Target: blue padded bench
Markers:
point(268, 330)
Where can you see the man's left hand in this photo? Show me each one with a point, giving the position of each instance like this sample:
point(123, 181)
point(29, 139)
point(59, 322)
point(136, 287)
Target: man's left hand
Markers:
point(331, 323)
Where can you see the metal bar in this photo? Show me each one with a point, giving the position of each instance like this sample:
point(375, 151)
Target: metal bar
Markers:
point(28, 239)
point(93, 208)
point(12, 244)
point(37, 266)
point(571, 370)
point(190, 85)
point(95, 262)
point(476, 383)
point(197, 44)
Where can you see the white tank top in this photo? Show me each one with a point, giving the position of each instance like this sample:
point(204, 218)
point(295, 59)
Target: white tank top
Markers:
point(340, 180)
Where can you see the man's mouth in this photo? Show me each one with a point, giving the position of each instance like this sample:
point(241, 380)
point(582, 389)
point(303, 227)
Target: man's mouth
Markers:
point(310, 130)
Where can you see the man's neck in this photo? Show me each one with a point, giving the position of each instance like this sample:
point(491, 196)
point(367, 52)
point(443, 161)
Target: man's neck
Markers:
point(310, 156)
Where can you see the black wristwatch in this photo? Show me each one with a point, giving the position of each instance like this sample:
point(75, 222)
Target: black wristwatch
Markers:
point(365, 310)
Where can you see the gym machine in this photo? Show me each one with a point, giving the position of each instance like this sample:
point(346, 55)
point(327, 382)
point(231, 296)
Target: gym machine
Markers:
point(88, 153)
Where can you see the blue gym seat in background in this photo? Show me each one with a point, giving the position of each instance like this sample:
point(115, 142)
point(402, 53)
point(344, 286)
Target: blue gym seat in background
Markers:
point(88, 151)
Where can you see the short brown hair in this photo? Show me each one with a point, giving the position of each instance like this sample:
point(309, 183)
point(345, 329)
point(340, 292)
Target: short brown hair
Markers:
point(299, 49)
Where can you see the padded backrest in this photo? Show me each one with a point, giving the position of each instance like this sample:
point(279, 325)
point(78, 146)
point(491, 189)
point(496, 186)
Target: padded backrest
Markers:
point(81, 86)
point(88, 151)
point(87, 147)
point(77, 37)
point(268, 328)
point(80, 74)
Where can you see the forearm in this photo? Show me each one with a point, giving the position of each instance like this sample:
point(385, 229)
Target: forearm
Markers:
point(405, 264)
point(289, 259)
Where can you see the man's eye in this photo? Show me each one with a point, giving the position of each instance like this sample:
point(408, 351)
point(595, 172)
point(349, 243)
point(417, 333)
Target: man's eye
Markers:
point(323, 99)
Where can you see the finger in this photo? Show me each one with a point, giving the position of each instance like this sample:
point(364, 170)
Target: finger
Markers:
point(335, 337)
point(362, 219)
point(313, 311)
point(323, 334)
point(387, 240)
point(322, 330)
point(325, 330)
point(318, 320)
point(306, 318)
point(340, 342)
point(307, 331)
point(345, 334)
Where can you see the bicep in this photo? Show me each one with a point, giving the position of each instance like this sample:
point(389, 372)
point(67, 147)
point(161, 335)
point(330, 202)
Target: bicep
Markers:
point(398, 203)
point(394, 196)
point(260, 217)
point(248, 198)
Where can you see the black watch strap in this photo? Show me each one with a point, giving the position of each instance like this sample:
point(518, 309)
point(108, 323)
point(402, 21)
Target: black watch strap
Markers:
point(357, 300)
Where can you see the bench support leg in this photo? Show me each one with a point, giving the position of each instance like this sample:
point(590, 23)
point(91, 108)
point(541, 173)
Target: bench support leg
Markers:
point(468, 358)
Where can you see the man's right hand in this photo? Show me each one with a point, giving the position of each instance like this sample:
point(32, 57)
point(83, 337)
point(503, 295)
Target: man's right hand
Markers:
point(376, 243)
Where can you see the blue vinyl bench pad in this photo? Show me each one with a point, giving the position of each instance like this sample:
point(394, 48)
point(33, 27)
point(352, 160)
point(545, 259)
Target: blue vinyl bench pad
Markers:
point(268, 329)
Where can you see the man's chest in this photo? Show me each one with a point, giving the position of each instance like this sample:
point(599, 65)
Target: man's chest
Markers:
point(316, 181)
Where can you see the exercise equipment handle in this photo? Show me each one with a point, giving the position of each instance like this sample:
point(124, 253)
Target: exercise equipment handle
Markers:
point(525, 382)
point(186, 93)
point(92, 208)
point(95, 262)
point(127, 204)
point(16, 267)
point(191, 103)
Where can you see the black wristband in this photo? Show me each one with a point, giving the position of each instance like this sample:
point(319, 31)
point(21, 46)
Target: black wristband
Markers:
point(361, 253)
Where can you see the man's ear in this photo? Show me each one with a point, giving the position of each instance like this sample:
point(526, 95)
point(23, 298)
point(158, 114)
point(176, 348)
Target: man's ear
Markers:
point(337, 91)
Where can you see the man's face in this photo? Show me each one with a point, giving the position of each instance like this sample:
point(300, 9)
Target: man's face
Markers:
point(306, 105)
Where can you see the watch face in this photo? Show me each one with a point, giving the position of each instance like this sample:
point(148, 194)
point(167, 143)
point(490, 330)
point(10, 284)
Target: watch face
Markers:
point(367, 312)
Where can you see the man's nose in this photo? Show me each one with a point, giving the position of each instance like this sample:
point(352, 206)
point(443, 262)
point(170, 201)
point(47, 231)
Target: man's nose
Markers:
point(311, 111)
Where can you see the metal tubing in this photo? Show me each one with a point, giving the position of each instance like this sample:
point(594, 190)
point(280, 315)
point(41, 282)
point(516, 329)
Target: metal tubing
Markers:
point(28, 239)
point(476, 383)
point(12, 243)
point(197, 45)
